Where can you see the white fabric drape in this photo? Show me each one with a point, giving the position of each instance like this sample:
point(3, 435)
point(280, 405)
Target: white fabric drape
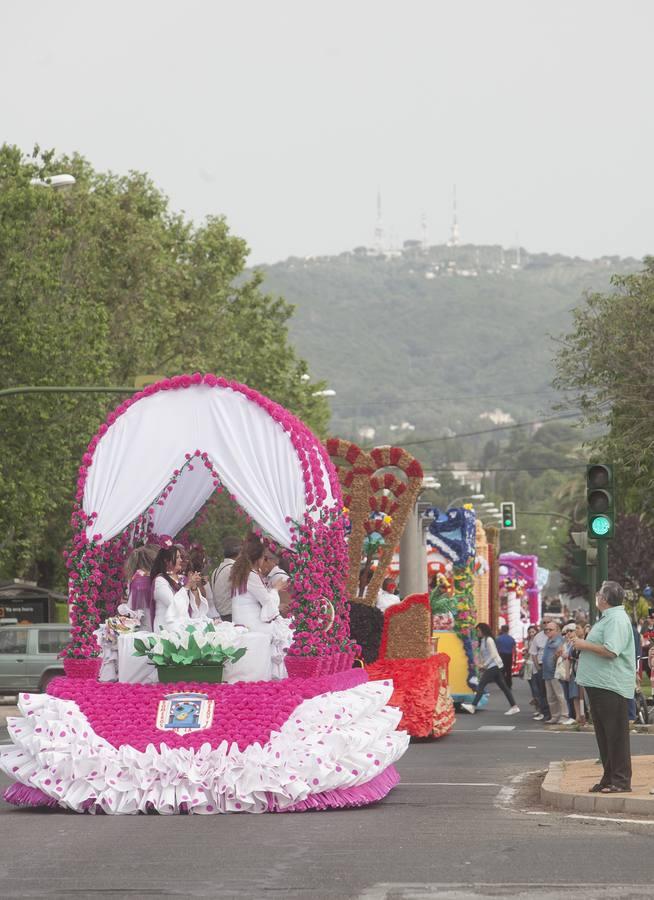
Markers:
point(139, 453)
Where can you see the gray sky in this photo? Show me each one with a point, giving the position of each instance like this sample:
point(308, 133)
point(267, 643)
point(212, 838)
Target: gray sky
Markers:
point(288, 115)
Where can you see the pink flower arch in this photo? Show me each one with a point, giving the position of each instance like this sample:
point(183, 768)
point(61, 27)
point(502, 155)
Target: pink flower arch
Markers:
point(319, 552)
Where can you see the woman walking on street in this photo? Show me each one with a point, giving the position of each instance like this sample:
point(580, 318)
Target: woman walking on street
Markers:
point(491, 665)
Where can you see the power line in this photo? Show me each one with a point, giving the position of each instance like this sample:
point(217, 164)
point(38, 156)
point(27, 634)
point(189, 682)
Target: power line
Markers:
point(422, 398)
point(454, 437)
point(480, 467)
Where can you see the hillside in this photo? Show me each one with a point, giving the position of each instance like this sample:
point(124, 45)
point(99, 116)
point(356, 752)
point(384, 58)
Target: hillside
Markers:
point(437, 337)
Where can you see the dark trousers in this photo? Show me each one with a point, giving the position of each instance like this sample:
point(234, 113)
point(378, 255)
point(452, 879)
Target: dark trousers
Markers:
point(507, 665)
point(609, 712)
point(489, 675)
point(541, 696)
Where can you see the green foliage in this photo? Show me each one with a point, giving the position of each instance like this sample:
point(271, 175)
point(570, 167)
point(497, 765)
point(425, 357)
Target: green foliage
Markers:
point(98, 285)
point(434, 351)
point(605, 365)
point(547, 484)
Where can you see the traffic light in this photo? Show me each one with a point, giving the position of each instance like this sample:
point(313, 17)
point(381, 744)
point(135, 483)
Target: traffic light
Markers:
point(600, 498)
point(508, 516)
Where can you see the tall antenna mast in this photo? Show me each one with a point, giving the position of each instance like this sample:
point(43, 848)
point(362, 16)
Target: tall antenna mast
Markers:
point(379, 228)
point(425, 236)
point(454, 234)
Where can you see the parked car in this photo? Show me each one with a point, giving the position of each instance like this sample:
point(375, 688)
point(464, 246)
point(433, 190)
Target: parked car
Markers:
point(28, 656)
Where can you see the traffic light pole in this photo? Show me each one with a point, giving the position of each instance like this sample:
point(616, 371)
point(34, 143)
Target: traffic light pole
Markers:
point(602, 561)
point(592, 590)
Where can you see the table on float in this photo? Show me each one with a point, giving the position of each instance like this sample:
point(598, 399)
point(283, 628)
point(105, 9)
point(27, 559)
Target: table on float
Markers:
point(255, 665)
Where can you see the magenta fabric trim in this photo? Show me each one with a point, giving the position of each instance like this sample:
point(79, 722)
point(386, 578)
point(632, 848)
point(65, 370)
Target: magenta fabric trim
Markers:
point(359, 795)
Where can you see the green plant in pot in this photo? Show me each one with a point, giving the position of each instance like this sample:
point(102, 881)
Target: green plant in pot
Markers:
point(194, 653)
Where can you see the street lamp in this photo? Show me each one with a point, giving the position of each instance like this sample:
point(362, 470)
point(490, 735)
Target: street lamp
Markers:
point(429, 482)
point(466, 497)
point(58, 182)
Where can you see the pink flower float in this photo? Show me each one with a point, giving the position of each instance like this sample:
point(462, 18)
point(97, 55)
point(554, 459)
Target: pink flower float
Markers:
point(328, 738)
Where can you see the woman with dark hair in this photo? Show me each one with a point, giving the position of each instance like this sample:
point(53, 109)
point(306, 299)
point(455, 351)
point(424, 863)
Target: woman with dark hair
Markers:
point(255, 605)
point(202, 605)
point(137, 572)
point(491, 670)
point(171, 599)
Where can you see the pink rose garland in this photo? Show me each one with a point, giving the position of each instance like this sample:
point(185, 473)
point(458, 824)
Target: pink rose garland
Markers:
point(319, 567)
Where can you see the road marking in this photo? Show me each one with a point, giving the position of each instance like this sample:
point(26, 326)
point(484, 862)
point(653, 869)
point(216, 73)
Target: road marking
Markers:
point(506, 795)
point(610, 819)
point(497, 728)
point(448, 784)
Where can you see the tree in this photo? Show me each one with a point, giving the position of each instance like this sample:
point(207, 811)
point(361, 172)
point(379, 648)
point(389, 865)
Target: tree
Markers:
point(605, 365)
point(96, 286)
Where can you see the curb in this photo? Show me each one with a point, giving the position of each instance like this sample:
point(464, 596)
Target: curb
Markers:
point(588, 729)
point(552, 794)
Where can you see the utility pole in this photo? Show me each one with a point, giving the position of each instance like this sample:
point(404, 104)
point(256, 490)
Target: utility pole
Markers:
point(413, 556)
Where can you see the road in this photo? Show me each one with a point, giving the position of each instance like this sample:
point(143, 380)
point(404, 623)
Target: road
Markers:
point(465, 822)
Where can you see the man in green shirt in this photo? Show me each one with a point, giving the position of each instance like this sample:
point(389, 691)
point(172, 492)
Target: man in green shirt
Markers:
point(607, 669)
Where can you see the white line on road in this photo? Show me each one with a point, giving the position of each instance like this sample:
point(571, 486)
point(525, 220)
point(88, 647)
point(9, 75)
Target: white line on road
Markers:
point(610, 819)
point(505, 796)
point(448, 784)
point(496, 728)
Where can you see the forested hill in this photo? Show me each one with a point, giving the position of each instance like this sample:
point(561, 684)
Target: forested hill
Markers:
point(435, 337)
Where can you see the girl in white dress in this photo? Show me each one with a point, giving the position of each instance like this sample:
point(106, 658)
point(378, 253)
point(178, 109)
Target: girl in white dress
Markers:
point(172, 601)
point(255, 605)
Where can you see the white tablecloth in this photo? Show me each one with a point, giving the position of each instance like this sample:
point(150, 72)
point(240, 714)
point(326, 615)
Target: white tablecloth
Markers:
point(255, 665)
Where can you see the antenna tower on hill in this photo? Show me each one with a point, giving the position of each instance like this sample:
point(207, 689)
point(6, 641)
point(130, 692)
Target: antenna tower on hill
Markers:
point(455, 237)
point(379, 229)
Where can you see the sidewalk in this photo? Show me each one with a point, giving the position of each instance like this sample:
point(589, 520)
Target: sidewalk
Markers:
point(566, 787)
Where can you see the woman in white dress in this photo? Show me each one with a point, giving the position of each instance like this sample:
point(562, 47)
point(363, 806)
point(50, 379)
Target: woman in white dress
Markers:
point(172, 601)
point(255, 605)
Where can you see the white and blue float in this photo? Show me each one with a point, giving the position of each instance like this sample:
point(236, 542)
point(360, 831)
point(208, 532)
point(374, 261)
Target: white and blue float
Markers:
point(323, 737)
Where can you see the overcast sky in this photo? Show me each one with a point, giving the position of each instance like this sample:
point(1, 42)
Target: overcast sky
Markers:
point(287, 116)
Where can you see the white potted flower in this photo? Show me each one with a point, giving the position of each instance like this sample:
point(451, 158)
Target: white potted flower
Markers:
point(195, 653)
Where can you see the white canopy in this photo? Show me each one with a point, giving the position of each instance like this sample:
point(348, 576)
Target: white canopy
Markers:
point(254, 456)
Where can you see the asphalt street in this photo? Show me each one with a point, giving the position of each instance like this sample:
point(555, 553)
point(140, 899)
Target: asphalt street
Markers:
point(464, 822)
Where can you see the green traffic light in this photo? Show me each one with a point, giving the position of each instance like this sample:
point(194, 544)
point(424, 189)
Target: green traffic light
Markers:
point(600, 525)
point(507, 522)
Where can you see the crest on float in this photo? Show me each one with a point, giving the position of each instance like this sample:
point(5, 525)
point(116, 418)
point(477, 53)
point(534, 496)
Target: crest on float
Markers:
point(185, 712)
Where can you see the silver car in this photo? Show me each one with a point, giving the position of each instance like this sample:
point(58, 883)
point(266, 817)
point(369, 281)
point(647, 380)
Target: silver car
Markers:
point(28, 656)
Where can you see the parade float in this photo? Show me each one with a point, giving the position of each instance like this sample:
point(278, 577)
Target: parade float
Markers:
point(460, 596)
point(323, 737)
point(380, 488)
point(521, 580)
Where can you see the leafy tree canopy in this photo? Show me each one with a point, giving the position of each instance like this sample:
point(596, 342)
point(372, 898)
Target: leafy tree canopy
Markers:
point(605, 363)
point(97, 285)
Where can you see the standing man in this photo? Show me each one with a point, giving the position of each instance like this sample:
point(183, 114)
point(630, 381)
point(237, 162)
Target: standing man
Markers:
point(536, 649)
point(607, 669)
point(220, 584)
point(506, 648)
point(555, 696)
